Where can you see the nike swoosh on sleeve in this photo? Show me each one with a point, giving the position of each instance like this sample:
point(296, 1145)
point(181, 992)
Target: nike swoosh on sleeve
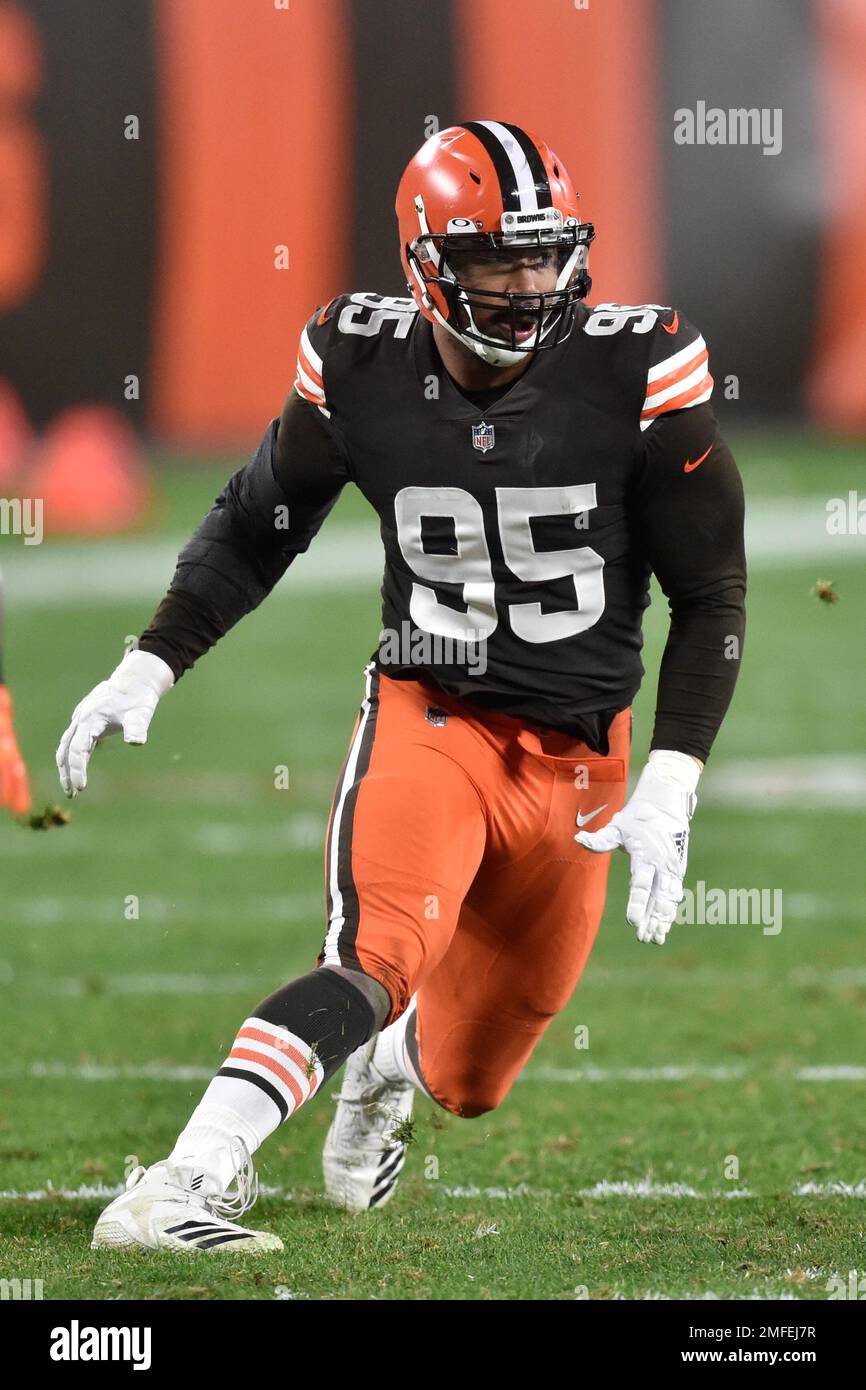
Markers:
point(674, 324)
point(689, 467)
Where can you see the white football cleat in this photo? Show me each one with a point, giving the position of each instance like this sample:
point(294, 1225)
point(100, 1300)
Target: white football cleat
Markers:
point(362, 1158)
point(166, 1207)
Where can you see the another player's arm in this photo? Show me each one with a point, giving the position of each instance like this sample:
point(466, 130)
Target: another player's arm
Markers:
point(267, 514)
point(14, 782)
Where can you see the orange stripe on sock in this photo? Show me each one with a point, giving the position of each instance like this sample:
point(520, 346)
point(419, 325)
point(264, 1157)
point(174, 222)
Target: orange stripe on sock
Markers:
point(281, 1044)
point(247, 1055)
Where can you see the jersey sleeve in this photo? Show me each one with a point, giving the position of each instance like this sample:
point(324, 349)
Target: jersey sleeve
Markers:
point(689, 513)
point(678, 375)
point(313, 347)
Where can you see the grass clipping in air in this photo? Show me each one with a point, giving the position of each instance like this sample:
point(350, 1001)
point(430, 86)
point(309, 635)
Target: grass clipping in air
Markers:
point(45, 819)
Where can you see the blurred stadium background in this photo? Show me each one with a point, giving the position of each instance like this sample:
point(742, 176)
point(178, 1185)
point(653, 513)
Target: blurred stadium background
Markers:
point(181, 182)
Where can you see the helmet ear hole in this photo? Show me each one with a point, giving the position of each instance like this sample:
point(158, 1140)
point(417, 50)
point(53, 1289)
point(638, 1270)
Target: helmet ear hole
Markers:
point(476, 178)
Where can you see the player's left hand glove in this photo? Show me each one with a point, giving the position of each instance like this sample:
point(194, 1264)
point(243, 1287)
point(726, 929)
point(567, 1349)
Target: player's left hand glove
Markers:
point(14, 782)
point(653, 829)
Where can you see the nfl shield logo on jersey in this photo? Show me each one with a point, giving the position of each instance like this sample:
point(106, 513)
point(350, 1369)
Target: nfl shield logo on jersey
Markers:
point(483, 437)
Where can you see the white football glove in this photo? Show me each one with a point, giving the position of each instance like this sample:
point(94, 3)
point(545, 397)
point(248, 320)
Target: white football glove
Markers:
point(126, 701)
point(653, 829)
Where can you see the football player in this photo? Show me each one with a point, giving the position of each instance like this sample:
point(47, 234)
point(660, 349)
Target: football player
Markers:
point(14, 782)
point(532, 461)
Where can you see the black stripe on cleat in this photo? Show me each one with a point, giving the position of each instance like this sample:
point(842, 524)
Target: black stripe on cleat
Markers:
point(386, 1167)
point(378, 1196)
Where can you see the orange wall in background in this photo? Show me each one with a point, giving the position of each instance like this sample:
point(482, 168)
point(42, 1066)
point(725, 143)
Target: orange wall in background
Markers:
point(241, 88)
point(836, 390)
point(23, 171)
point(583, 81)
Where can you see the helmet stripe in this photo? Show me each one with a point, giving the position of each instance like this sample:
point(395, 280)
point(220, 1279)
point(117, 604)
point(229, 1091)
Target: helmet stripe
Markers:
point(536, 166)
point(511, 191)
point(525, 172)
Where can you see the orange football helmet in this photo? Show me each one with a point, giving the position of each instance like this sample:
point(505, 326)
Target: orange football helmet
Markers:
point(486, 187)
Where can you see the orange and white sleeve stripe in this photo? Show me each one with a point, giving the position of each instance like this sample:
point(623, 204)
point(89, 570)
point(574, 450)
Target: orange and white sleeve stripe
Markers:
point(309, 382)
point(680, 380)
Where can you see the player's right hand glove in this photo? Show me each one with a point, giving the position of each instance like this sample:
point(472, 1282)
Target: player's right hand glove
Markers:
point(14, 782)
point(125, 702)
point(653, 829)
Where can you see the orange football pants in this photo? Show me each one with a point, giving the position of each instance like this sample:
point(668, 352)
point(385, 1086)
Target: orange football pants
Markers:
point(452, 874)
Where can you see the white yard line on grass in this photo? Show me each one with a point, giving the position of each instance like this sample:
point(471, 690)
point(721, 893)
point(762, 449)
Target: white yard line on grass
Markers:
point(846, 977)
point(778, 534)
point(128, 571)
point(96, 1071)
point(40, 911)
point(644, 1189)
point(567, 1075)
point(829, 783)
point(168, 983)
point(558, 1076)
point(104, 1192)
point(146, 983)
point(304, 832)
point(606, 1075)
point(840, 1073)
point(647, 1188)
point(831, 1189)
point(825, 781)
point(723, 976)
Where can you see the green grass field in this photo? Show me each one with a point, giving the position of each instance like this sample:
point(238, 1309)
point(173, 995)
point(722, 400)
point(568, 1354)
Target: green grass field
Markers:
point(740, 1170)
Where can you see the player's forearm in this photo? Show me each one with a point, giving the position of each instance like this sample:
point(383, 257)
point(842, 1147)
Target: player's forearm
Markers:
point(183, 628)
point(693, 524)
point(240, 549)
point(698, 673)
